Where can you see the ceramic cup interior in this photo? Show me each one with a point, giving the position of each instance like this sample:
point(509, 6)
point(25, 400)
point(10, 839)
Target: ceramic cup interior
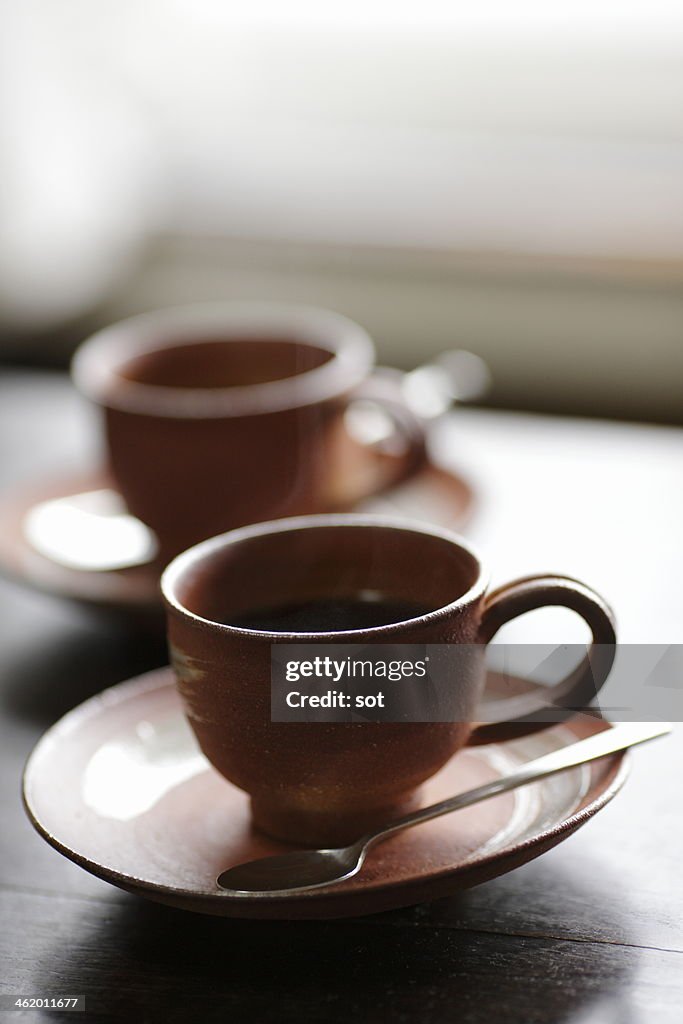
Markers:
point(224, 363)
point(341, 558)
point(223, 360)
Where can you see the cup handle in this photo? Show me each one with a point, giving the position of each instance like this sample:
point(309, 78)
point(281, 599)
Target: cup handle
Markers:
point(570, 694)
point(383, 389)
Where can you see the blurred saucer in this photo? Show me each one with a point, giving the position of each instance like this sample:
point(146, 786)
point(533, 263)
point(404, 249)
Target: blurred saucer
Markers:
point(51, 534)
point(120, 787)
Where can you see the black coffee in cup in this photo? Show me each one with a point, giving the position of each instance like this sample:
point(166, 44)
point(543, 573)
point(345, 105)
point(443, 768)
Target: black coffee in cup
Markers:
point(330, 615)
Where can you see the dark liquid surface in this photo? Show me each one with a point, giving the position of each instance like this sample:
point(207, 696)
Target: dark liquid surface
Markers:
point(330, 615)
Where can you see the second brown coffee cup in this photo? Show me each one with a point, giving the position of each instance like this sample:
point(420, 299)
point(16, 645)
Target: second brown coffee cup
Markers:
point(221, 415)
point(348, 579)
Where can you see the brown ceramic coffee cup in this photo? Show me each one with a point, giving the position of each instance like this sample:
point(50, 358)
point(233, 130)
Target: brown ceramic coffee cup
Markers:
point(325, 784)
point(221, 415)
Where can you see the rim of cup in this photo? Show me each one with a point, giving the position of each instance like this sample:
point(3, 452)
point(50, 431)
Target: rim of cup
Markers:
point(97, 363)
point(187, 562)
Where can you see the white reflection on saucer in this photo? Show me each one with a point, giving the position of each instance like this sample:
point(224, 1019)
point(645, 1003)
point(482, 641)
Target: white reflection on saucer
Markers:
point(129, 775)
point(91, 531)
point(540, 804)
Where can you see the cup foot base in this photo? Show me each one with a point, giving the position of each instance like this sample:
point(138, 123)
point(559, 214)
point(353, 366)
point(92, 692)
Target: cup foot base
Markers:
point(326, 828)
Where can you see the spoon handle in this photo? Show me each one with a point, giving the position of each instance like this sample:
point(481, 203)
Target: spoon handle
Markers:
point(601, 745)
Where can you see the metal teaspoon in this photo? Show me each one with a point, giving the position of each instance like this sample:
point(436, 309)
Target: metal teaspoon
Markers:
point(304, 870)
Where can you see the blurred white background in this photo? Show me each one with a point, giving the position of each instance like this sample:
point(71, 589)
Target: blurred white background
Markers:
point(501, 176)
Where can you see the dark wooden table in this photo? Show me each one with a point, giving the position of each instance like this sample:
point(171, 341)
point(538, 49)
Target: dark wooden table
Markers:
point(591, 932)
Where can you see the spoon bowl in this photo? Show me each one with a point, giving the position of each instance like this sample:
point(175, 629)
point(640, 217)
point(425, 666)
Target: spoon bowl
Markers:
point(311, 868)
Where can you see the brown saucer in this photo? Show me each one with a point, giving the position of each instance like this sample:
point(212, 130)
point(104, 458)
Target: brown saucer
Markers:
point(120, 787)
point(435, 494)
